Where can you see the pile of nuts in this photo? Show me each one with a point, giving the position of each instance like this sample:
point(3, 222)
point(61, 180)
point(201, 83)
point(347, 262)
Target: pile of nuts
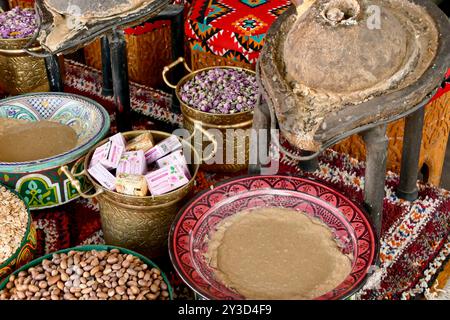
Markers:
point(88, 275)
point(13, 223)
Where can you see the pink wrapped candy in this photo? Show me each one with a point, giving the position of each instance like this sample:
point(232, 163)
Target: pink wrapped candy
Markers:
point(165, 180)
point(103, 176)
point(163, 148)
point(108, 155)
point(132, 162)
point(176, 158)
point(119, 139)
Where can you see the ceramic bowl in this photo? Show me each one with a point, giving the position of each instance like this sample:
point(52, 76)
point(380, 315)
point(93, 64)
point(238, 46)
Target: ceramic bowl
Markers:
point(98, 248)
point(40, 182)
point(25, 252)
point(191, 229)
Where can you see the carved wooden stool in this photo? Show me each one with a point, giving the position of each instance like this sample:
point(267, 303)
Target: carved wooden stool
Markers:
point(436, 130)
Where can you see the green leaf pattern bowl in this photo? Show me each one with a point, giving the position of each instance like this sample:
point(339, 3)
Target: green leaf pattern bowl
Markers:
point(41, 183)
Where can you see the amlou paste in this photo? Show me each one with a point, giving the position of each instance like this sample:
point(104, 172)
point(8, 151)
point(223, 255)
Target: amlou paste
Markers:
point(276, 253)
point(22, 141)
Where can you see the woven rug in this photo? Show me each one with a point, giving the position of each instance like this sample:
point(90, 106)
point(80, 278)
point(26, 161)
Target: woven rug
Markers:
point(415, 239)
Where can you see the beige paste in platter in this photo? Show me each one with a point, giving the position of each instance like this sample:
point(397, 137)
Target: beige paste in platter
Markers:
point(276, 253)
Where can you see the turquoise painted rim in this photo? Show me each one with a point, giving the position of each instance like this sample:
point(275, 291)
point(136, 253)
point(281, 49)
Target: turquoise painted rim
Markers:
point(144, 259)
point(62, 159)
point(27, 232)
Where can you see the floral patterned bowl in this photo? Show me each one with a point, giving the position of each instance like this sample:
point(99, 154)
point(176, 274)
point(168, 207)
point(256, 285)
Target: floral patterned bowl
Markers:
point(41, 183)
point(187, 239)
point(25, 253)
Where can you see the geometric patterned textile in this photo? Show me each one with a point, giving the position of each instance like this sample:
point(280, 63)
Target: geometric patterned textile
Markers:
point(232, 28)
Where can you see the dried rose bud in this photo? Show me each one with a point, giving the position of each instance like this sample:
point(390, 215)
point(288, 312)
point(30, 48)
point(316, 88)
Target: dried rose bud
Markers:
point(17, 23)
point(221, 90)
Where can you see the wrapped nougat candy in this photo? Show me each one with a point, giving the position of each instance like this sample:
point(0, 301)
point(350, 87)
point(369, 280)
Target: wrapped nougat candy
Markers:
point(163, 148)
point(166, 179)
point(177, 158)
point(131, 184)
point(103, 176)
point(119, 139)
point(108, 155)
point(142, 142)
point(132, 162)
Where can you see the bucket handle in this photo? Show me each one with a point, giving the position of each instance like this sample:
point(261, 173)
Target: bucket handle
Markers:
point(71, 175)
point(198, 127)
point(171, 66)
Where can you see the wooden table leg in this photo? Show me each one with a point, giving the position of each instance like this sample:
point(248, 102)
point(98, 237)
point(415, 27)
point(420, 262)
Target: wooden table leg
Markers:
point(107, 88)
point(261, 121)
point(412, 141)
point(119, 65)
point(54, 74)
point(376, 143)
point(309, 165)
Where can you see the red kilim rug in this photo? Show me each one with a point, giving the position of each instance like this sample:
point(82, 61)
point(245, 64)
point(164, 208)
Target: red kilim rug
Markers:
point(415, 240)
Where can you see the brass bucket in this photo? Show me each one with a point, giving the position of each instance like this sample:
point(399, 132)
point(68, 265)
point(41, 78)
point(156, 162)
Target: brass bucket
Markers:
point(140, 224)
point(20, 72)
point(240, 122)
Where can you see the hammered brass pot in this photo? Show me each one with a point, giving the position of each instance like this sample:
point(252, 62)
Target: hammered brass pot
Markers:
point(238, 140)
point(20, 72)
point(140, 224)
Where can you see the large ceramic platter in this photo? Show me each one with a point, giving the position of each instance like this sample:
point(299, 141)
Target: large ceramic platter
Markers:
point(191, 229)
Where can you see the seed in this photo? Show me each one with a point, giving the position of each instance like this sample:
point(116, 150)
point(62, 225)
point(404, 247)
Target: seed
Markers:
point(112, 260)
point(53, 280)
point(105, 280)
point(120, 290)
point(68, 296)
point(86, 290)
point(21, 295)
point(60, 285)
point(102, 295)
point(64, 276)
point(142, 283)
point(43, 284)
point(116, 266)
point(135, 290)
point(40, 277)
point(131, 272)
point(154, 288)
point(33, 288)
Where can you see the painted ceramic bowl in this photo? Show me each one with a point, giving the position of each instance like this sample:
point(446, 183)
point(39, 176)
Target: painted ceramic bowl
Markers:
point(144, 259)
point(41, 183)
point(190, 230)
point(25, 252)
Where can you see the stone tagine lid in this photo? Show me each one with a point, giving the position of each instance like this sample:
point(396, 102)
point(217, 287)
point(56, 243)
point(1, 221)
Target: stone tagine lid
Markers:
point(94, 9)
point(67, 25)
point(332, 66)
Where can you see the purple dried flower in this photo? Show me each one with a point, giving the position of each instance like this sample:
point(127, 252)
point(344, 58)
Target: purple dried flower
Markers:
point(221, 90)
point(17, 23)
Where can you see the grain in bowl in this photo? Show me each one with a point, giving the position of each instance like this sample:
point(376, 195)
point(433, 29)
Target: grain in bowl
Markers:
point(13, 223)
